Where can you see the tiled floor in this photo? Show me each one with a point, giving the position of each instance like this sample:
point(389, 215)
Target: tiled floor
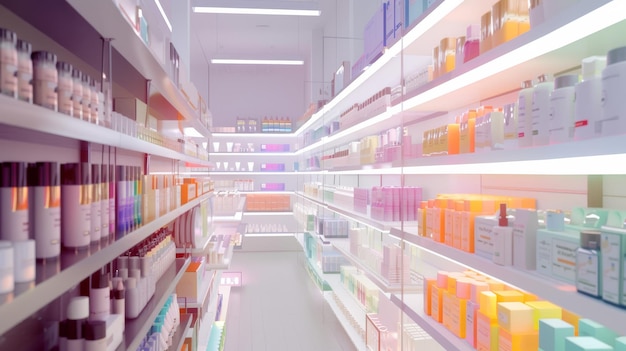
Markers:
point(278, 308)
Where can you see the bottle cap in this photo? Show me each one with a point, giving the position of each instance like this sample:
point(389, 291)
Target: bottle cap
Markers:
point(43, 174)
point(78, 308)
point(99, 280)
point(527, 84)
point(44, 56)
point(24, 46)
point(95, 330)
point(118, 292)
point(64, 67)
point(616, 55)
point(592, 67)
point(13, 175)
point(9, 35)
point(75, 174)
point(568, 80)
point(74, 329)
point(77, 74)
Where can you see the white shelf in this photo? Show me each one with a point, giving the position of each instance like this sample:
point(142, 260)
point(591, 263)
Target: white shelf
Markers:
point(190, 303)
point(253, 154)
point(350, 302)
point(107, 19)
point(225, 262)
point(556, 291)
point(236, 217)
point(267, 213)
point(354, 336)
point(264, 136)
point(413, 306)
point(35, 118)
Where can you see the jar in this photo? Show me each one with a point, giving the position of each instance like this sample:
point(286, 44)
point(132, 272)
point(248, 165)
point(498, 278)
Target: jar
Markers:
point(65, 90)
point(613, 119)
point(94, 101)
point(77, 93)
point(24, 71)
point(86, 97)
point(45, 79)
point(8, 62)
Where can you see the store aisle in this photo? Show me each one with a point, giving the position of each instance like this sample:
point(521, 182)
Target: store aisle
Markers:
point(278, 308)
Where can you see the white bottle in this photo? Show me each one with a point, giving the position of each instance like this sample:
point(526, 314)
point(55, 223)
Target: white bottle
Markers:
point(562, 109)
point(588, 102)
point(541, 110)
point(99, 296)
point(7, 263)
point(45, 208)
point(524, 114)
point(613, 120)
point(96, 205)
point(13, 201)
point(75, 205)
point(95, 333)
point(503, 240)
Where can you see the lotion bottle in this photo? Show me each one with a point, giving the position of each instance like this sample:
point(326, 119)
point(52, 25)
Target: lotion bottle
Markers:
point(503, 240)
point(75, 205)
point(99, 296)
point(588, 103)
point(45, 208)
point(562, 109)
point(13, 201)
point(541, 110)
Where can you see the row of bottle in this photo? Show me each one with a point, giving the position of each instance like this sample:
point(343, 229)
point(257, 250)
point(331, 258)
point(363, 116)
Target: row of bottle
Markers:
point(37, 77)
point(160, 336)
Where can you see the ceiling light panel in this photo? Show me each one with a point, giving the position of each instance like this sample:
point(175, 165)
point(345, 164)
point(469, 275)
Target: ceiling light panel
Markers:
point(275, 8)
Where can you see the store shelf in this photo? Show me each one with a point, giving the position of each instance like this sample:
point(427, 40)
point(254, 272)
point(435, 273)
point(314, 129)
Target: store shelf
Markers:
point(225, 291)
point(354, 336)
point(267, 213)
point(263, 136)
point(225, 262)
point(205, 288)
point(558, 292)
point(245, 173)
point(202, 242)
point(253, 154)
point(28, 118)
point(73, 267)
point(107, 19)
point(413, 306)
point(179, 336)
point(349, 301)
point(235, 217)
point(136, 329)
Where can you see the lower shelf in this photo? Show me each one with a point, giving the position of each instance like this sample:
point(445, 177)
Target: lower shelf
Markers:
point(355, 336)
point(179, 336)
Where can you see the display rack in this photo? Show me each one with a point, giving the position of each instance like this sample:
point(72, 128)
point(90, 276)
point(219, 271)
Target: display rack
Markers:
point(179, 336)
point(136, 329)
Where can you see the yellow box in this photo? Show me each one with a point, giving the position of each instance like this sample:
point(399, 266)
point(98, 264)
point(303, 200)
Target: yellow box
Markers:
point(488, 304)
point(508, 341)
point(515, 317)
point(571, 318)
point(486, 333)
point(542, 310)
point(436, 301)
point(446, 318)
point(509, 296)
point(457, 310)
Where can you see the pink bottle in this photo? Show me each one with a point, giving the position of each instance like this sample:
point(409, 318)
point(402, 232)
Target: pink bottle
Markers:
point(472, 42)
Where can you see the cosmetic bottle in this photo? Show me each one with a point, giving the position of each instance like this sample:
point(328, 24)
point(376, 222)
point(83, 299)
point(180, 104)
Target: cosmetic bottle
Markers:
point(503, 240)
point(524, 114)
point(62, 335)
point(510, 126)
point(95, 332)
point(8, 63)
point(613, 118)
point(99, 296)
point(24, 71)
point(121, 198)
point(77, 314)
point(77, 93)
point(7, 264)
point(94, 99)
point(13, 201)
point(541, 110)
point(45, 79)
point(96, 204)
point(562, 109)
point(104, 202)
point(589, 264)
point(459, 55)
point(138, 197)
point(119, 296)
point(45, 208)
point(75, 205)
point(588, 103)
point(132, 298)
point(86, 100)
point(112, 201)
point(64, 88)
point(24, 256)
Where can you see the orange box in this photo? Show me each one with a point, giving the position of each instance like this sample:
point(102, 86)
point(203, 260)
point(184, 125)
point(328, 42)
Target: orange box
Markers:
point(486, 333)
point(429, 283)
point(517, 341)
point(436, 303)
point(509, 296)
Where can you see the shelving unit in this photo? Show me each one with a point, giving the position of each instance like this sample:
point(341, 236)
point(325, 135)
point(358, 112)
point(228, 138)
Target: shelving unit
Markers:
point(351, 305)
point(136, 329)
point(179, 336)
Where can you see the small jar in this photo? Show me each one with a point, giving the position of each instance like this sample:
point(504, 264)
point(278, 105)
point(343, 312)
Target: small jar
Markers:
point(77, 93)
point(64, 91)
point(45, 79)
point(86, 98)
point(8, 62)
point(94, 101)
point(24, 71)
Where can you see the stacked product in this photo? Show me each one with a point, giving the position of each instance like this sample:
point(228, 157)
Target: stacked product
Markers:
point(361, 287)
point(268, 202)
point(226, 203)
point(391, 204)
point(160, 335)
point(332, 227)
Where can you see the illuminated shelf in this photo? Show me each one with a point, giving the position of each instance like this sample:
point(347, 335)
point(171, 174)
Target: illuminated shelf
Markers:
point(21, 119)
point(413, 306)
point(107, 19)
point(561, 293)
point(252, 135)
point(74, 267)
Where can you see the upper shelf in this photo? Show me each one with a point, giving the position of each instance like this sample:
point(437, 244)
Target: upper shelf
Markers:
point(74, 267)
point(107, 19)
point(562, 293)
point(586, 28)
point(31, 117)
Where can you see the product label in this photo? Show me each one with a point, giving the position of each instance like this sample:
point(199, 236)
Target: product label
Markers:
point(14, 213)
point(611, 254)
point(587, 272)
point(564, 259)
point(46, 221)
point(24, 80)
point(522, 118)
point(504, 342)
point(483, 237)
point(483, 335)
point(8, 71)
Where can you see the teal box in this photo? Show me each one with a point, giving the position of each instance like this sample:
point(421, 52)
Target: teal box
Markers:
point(552, 334)
point(613, 249)
point(587, 327)
point(585, 343)
point(412, 10)
point(556, 254)
point(620, 344)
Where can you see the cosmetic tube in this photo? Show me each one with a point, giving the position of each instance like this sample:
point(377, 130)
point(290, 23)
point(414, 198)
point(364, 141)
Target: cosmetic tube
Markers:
point(99, 296)
point(96, 205)
point(13, 201)
point(75, 205)
point(7, 263)
point(95, 333)
point(77, 313)
point(45, 208)
point(24, 255)
point(121, 188)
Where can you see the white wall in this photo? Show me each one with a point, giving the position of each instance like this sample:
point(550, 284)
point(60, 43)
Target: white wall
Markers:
point(254, 92)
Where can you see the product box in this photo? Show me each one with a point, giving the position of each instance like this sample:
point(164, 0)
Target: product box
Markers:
point(585, 343)
point(587, 327)
point(486, 332)
point(190, 283)
point(374, 36)
point(412, 10)
point(556, 254)
point(525, 228)
point(552, 334)
point(543, 310)
point(522, 341)
point(613, 248)
point(483, 235)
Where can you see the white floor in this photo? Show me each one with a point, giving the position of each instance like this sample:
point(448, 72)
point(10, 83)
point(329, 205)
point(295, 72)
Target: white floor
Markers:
point(278, 308)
